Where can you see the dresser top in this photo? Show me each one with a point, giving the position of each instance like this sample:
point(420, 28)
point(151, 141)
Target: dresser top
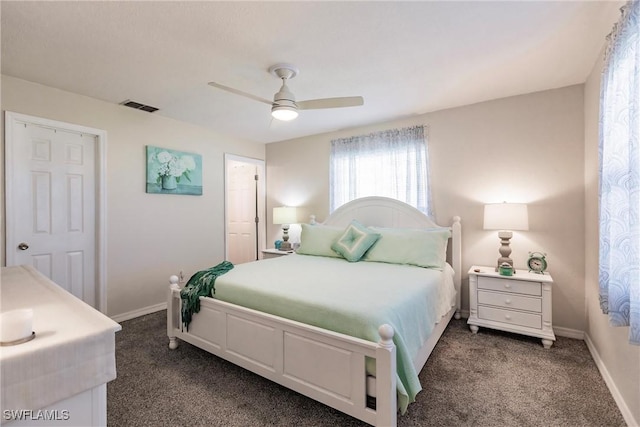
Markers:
point(519, 274)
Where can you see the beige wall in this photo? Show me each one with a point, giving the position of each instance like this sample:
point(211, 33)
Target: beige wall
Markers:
point(149, 236)
point(526, 148)
point(619, 358)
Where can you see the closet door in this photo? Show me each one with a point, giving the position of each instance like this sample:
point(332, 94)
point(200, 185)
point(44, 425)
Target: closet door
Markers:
point(244, 181)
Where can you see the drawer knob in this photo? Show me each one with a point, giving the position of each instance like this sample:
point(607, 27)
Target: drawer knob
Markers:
point(507, 316)
point(507, 301)
point(507, 285)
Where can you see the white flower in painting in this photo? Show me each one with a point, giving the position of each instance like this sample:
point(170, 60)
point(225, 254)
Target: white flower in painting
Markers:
point(171, 165)
point(188, 162)
point(164, 157)
point(175, 167)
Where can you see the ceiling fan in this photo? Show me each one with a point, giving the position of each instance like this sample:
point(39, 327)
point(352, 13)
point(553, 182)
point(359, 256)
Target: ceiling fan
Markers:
point(284, 105)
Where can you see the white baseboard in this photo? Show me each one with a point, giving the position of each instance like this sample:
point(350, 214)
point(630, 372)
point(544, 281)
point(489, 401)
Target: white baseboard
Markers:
point(624, 409)
point(140, 312)
point(568, 333)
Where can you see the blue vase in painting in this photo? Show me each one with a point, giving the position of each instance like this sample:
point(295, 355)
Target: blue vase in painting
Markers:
point(169, 182)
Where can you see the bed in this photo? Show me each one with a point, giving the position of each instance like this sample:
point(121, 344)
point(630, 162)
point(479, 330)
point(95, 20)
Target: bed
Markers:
point(345, 353)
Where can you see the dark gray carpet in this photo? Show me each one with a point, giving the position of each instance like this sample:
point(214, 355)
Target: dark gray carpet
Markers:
point(489, 379)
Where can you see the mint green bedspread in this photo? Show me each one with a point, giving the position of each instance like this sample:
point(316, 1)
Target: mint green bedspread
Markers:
point(350, 298)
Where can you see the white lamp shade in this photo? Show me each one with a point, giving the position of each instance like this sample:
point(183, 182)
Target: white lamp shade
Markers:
point(285, 215)
point(506, 216)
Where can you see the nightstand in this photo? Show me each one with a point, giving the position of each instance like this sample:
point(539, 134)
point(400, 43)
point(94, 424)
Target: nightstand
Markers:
point(520, 303)
point(274, 253)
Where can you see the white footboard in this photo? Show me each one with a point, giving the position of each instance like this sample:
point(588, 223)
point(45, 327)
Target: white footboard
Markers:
point(326, 366)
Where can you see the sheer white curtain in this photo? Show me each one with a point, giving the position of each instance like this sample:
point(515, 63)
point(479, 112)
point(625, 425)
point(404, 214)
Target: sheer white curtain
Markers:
point(619, 150)
point(392, 163)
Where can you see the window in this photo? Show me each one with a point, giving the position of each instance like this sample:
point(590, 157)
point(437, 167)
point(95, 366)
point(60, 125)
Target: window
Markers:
point(391, 163)
point(619, 155)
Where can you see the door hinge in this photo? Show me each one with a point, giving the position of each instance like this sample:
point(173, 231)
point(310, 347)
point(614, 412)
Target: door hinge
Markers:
point(255, 177)
point(257, 220)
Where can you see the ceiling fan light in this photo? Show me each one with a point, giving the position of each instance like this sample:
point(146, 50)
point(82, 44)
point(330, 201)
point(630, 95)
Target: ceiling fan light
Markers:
point(284, 113)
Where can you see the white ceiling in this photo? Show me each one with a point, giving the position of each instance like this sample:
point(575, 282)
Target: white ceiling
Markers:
point(404, 58)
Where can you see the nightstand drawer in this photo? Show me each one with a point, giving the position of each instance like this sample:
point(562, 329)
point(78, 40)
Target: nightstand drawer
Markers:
point(510, 301)
point(511, 317)
point(510, 285)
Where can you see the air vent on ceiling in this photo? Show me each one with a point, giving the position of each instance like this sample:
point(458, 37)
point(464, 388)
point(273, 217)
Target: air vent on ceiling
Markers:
point(139, 106)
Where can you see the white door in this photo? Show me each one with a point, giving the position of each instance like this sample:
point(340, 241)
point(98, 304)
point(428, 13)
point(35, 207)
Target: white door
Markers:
point(243, 209)
point(52, 205)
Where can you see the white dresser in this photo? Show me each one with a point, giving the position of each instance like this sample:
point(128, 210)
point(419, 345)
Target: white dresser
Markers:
point(60, 377)
point(520, 303)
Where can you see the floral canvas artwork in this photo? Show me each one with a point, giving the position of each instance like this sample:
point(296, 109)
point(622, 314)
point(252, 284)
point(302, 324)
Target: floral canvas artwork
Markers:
point(173, 172)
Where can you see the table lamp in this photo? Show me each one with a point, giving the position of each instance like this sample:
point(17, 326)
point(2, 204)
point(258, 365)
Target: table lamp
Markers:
point(284, 216)
point(506, 217)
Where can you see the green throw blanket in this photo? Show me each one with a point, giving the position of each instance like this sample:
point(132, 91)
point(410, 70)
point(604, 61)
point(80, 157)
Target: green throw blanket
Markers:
point(201, 284)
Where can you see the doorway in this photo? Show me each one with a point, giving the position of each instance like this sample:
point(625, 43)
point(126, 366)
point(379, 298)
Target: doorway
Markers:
point(55, 202)
point(244, 208)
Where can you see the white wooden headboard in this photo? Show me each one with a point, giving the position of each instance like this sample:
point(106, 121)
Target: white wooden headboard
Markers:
point(386, 212)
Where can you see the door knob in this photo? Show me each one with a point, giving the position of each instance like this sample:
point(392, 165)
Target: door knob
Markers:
point(23, 246)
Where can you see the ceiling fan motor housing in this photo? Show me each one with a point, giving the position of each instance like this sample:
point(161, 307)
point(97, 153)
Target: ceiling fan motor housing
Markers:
point(284, 105)
point(284, 97)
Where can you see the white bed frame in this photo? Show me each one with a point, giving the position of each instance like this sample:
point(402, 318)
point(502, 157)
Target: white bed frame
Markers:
point(326, 366)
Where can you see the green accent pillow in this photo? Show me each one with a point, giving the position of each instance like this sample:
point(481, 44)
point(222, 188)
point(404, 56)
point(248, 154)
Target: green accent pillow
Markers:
point(421, 247)
point(317, 240)
point(355, 241)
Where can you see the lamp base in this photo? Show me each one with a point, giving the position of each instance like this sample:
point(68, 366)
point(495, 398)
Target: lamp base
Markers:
point(286, 246)
point(505, 249)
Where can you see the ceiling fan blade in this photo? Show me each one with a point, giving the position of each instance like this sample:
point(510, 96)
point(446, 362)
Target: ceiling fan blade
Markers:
point(239, 92)
point(315, 104)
